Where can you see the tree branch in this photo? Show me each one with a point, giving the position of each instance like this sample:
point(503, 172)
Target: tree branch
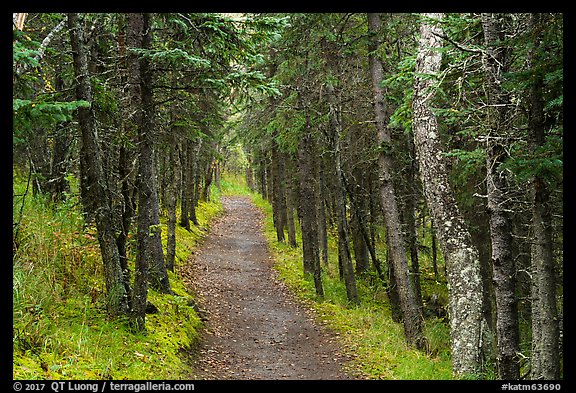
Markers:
point(457, 45)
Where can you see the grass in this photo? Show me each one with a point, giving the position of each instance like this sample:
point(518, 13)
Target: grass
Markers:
point(60, 327)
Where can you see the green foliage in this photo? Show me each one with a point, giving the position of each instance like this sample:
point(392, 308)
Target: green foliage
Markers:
point(546, 162)
point(31, 108)
point(175, 56)
point(400, 97)
point(28, 114)
point(24, 51)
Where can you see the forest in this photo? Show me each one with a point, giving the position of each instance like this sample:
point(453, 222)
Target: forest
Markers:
point(413, 161)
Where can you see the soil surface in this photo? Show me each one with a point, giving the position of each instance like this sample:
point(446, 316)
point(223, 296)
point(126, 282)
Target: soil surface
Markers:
point(255, 328)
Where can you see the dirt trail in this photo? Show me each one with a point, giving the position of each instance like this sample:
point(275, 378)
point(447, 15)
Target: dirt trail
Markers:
point(255, 327)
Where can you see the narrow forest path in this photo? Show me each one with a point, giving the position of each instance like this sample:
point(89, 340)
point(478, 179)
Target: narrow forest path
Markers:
point(255, 327)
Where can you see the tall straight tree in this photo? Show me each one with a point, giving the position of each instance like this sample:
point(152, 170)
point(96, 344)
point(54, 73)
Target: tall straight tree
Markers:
point(134, 36)
point(148, 183)
point(279, 194)
point(340, 196)
point(150, 266)
point(334, 136)
point(96, 196)
point(496, 62)
point(462, 259)
point(545, 359)
point(307, 210)
point(396, 244)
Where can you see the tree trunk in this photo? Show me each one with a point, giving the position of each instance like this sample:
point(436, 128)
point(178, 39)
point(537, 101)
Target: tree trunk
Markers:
point(396, 245)
point(192, 185)
point(184, 184)
point(250, 175)
point(58, 183)
point(291, 200)
point(93, 179)
point(278, 195)
point(149, 213)
point(126, 158)
point(125, 169)
point(261, 177)
point(495, 63)
point(462, 260)
point(172, 196)
point(358, 243)
point(322, 220)
point(208, 177)
point(340, 197)
point(134, 40)
point(308, 211)
point(410, 221)
point(545, 362)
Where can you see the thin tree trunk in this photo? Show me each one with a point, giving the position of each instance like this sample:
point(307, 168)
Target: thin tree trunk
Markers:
point(192, 186)
point(359, 243)
point(134, 40)
point(208, 178)
point(126, 160)
point(462, 260)
point(278, 197)
point(291, 200)
point(340, 198)
point(172, 180)
point(396, 244)
point(184, 184)
point(172, 201)
point(58, 183)
point(93, 178)
point(434, 248)
point(148, 190)
point(250, 175)
point(322, 220)
point(308, 211)
point(545, 360)
point(495, 63)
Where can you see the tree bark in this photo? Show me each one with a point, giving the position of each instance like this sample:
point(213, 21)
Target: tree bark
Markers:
point(545, 362)
point(322, 219)
point(291, 200)
point(278, 194)
point(462, 260)
point(58, 183)
point(149, 205)
point(308, 210)
point(134, 40)
point(395, 240)
point(193, 155)
point(340, 197)
point(18, 19)
point(126, 158)
point(172, 196)
point(507, 330)
point(93, 179)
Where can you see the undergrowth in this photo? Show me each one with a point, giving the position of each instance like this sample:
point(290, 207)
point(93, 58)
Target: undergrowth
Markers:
point(60, 326)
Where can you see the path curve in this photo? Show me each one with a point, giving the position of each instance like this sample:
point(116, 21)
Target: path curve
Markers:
point(255, 328)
